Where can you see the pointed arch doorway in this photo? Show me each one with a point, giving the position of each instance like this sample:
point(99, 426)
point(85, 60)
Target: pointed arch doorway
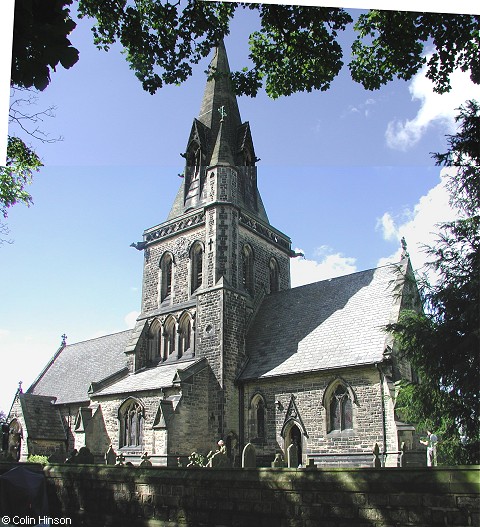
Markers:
point(294, 436)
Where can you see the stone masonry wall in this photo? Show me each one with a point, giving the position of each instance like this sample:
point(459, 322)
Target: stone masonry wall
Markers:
point(308, 391)
point(99, 496)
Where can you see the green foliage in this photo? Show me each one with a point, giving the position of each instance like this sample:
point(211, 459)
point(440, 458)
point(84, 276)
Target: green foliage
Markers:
point(297, 48)
point(443, 343)
point(17, 174)
point(394, 43)
point(40, 41)
point(42, 460)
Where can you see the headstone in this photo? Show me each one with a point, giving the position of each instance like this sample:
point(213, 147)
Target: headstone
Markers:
point(120, 460)
point(219, 460)
point(85, 457)
point(72, 458)
point(278, 462)
point(292, 456)
point(110, 456)
point(377, 462)
point(146, 460)
point(249, 456)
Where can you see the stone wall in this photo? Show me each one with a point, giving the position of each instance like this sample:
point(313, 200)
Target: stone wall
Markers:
point(308, 391)
point(101, 496)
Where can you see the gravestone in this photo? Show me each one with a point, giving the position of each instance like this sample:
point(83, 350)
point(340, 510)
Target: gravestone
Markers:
point(84, 457)
point(249, 456)
point(219, 460)
point(292, 456)
point(278, 462)
point(110, 456)
point(146, 460)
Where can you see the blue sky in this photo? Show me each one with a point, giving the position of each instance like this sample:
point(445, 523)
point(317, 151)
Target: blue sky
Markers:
point(344, 173)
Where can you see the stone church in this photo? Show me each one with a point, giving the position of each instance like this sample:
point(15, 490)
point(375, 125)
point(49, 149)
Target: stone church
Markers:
point(224, 348)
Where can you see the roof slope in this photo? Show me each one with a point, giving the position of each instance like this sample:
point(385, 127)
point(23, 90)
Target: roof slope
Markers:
point(330, 324)
point(42, 419)
point(161, 376)
point(71, 371)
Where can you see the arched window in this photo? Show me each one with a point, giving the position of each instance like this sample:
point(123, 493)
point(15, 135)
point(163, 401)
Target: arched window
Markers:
point(258, 415)
point(169, 337)
point(166, 267)
point(340, 410)
point(184, 335)
point(247, 275)
point(274, 273)
point(196, 258)
point(132, 419)
point(155, 340)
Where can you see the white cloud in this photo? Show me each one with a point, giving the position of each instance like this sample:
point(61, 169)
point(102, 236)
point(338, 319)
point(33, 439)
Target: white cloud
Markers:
point(435, 108)
point(387, 225)
point(130, 318)
point(362, 108)
point(306, 271)
point(420, 226)
point(4, 333)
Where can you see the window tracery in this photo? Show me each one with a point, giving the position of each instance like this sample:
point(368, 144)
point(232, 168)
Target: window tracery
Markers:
point(132, 419)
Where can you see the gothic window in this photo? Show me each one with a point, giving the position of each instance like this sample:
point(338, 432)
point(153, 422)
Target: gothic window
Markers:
point(155, 340)
point(185, 335)
point(169, 338)
point(196, 256)
point(274, 273)
point(340, 410)
point(132, 419)
point(247, 275)
point(258, 415)
point(166, 267)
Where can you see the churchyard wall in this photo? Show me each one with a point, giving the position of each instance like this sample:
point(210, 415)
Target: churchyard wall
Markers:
point(102, 496)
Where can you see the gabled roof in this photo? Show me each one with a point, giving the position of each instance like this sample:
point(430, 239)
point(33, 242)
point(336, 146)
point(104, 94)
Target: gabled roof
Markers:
point(161, 376)
point(72, 370)
point(330, 324)
point(42, 418)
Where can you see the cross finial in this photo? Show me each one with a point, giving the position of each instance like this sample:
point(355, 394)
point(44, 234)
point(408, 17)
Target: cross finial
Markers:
point(223, 113)
point(64, 340)
point(20, 389)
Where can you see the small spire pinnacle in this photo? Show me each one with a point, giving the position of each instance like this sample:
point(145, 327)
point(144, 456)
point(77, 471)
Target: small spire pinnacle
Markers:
point(20, 389)
point(405, 253)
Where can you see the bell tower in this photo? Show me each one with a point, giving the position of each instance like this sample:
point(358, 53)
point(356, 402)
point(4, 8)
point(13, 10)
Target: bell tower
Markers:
point(216, 256)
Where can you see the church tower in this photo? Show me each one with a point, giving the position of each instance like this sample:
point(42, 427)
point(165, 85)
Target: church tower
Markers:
point(208, 267)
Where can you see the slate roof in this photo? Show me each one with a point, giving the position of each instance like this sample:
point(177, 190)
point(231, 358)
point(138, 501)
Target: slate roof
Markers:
point(71, 371)
point(42, 418)
point(161, 376)
point(330, 324)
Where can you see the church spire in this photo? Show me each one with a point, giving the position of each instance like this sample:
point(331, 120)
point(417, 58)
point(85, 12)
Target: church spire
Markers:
point(219, 99)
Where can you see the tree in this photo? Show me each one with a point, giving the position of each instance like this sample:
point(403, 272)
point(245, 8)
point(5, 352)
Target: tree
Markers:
point(443, 342)
point(22, 162)
point(297, 48)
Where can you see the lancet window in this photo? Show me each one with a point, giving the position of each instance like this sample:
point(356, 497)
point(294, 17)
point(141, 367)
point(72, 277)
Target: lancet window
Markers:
point(247, 275)
point(132, 419)
point(196, 256)
point(166, 267)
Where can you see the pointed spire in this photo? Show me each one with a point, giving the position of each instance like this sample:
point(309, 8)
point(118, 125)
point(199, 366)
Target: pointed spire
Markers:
point(219, 109)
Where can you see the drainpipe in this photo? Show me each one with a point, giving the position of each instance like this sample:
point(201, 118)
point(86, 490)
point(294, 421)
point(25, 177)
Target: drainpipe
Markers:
point(241, 417)
point(384, 425)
